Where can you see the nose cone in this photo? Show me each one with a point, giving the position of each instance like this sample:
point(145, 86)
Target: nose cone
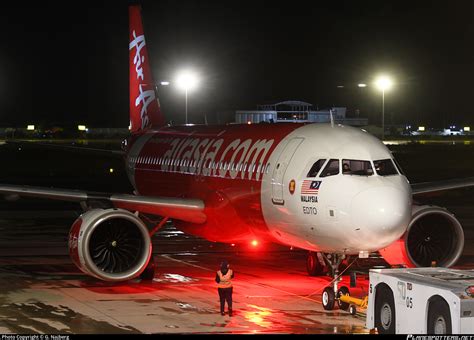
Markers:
point(381, 214)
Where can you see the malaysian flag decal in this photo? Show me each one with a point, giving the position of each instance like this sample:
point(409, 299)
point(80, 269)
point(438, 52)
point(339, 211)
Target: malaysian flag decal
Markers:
point(310, 187)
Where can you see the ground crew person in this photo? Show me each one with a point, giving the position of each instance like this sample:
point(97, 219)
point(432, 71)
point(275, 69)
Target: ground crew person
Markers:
point(224, 278)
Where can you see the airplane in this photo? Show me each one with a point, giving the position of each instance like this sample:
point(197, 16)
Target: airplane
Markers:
point(333, 190)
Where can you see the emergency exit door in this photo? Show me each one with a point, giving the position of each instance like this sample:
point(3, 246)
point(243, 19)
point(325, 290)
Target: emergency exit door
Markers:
point(280, 170)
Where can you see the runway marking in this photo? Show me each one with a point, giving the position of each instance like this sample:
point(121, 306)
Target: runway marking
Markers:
point(258, 284)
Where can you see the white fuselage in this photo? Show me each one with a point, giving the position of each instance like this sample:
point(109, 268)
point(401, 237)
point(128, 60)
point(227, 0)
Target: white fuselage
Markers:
point(343, 213)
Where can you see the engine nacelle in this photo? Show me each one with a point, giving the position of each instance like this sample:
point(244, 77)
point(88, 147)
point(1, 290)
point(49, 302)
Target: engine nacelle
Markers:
point(434, 235)
point(110, 244)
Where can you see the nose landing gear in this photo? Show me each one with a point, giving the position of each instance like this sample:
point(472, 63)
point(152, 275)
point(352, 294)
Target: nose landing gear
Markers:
point(331, 294)
point(342, 296)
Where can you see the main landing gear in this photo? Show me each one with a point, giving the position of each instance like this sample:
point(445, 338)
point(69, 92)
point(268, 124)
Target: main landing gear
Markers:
point(148, 273)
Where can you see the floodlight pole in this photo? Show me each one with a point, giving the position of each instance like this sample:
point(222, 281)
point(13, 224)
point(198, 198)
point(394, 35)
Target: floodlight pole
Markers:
point(383, 114)
point(186, 94)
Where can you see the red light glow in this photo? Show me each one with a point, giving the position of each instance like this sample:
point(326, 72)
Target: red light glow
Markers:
point(254, 243)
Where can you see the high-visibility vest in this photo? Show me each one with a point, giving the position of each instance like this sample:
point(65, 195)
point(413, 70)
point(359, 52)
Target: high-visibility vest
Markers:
point(225, 280)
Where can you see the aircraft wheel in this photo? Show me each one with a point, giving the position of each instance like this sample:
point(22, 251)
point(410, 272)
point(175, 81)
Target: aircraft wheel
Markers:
point(149, 272)
point(314, 266)
point(343, 291)
point(328, 298)
point(352, 310)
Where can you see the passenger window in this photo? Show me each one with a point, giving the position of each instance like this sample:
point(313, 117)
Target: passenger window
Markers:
point(331, 169)
point(358, 168)
point(385, 167)
point(315, 168)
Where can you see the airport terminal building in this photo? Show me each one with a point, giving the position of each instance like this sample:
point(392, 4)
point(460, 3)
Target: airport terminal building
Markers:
point(298, 112)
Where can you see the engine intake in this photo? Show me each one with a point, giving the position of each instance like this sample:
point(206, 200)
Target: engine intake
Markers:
point(434, 235)
point(110, 244)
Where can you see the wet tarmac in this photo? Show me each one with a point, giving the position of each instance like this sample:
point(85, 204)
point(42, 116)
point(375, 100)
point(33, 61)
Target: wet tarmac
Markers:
point(43, 292)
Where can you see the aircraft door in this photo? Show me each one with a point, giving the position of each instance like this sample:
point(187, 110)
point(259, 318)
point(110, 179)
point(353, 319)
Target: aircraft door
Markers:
point(280, 169)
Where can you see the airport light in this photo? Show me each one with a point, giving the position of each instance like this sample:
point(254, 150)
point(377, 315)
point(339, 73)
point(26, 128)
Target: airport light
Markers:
point(165, 83)
point(187, 81)
point(81, 127)
point(383, 83)
point(30, 127)
point(361, 85)
point(467, 129)
point(421, 128)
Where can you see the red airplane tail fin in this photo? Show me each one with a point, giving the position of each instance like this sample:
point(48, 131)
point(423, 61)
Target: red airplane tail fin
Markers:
point(145, 110)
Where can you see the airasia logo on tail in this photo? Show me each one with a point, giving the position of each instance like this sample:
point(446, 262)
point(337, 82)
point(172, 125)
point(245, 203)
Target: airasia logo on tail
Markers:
point(144, 106)
point(145, 97)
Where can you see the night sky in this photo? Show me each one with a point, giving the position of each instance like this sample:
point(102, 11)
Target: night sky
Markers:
point(67, 62)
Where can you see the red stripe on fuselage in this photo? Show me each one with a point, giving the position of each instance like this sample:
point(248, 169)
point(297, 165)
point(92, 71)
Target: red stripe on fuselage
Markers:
point(222, 165)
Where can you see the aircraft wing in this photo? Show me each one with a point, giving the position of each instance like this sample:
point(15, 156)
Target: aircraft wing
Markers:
point(184, 209)
point(422, 188)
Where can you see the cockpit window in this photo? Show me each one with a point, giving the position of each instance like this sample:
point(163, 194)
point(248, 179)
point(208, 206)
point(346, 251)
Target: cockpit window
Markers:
point(358, 168)
point(331, 169)
point(315, 168)
point(385, 167)
point(398, 166)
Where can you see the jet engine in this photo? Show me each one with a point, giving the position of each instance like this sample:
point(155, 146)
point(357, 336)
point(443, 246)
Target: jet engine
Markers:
point(433, 237)
point(110, 244)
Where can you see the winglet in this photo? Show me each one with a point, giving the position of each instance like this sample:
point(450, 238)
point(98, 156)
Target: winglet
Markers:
point(145, 110)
